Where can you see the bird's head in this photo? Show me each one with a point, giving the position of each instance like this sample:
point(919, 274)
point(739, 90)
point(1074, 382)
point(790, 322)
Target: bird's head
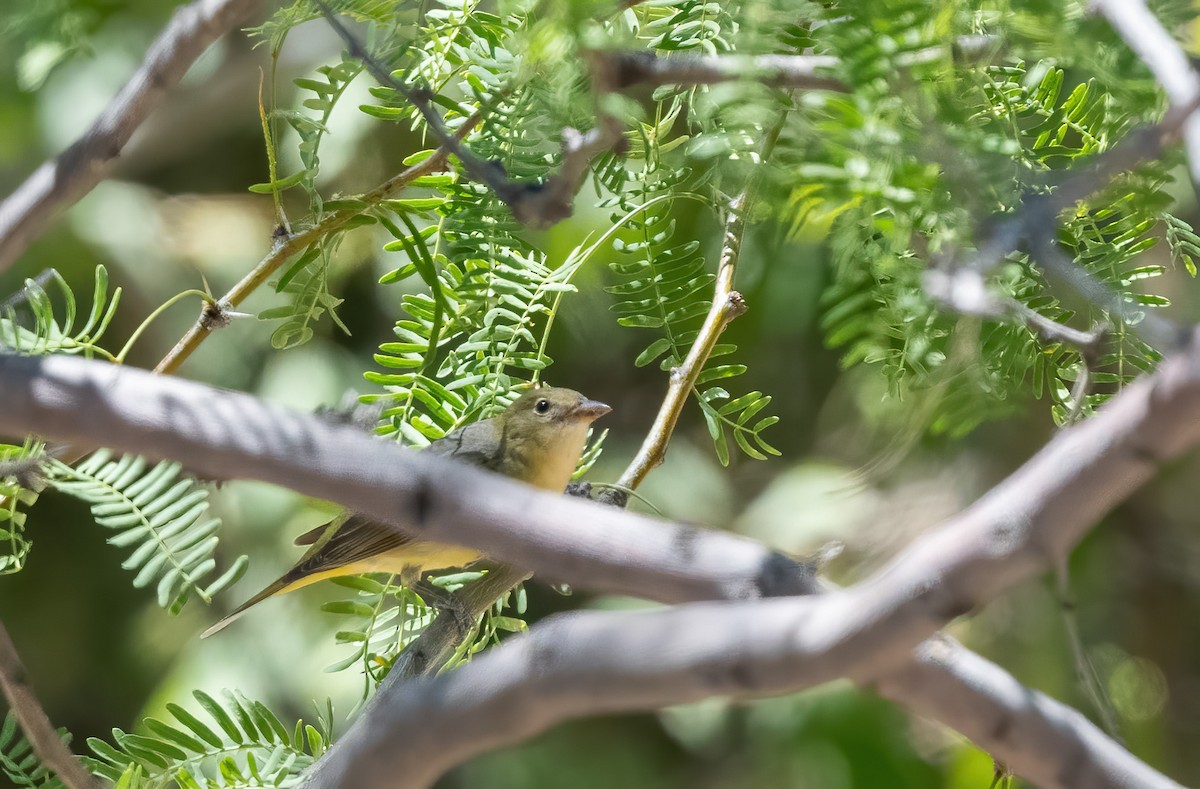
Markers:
point(550, 409)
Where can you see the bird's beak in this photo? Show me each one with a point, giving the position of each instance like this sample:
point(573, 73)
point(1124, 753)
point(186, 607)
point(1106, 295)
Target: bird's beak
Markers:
point(591, 410)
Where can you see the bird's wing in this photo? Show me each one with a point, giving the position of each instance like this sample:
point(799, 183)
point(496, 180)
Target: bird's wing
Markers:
point(477, 444)
point(312, 535)
point(339, 543)
point(357, 538)
point(334, 545)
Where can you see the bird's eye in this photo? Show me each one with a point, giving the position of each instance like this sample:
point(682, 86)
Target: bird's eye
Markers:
point(541, 406)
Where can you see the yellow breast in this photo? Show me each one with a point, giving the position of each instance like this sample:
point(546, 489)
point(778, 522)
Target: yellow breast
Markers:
point(553, 470)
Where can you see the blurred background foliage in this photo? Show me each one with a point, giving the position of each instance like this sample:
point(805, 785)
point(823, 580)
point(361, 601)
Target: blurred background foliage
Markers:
point(892, 412)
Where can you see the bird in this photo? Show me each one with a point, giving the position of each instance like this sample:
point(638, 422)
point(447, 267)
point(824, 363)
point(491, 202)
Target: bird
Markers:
point(537, 440)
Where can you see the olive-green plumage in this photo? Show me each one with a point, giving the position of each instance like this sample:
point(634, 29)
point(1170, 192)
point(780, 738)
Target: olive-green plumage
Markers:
point(538, 440)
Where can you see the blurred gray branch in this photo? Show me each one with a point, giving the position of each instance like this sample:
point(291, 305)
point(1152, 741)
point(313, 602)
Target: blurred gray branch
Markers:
point(807, 72)
point(62, 181)
point(1146, 36)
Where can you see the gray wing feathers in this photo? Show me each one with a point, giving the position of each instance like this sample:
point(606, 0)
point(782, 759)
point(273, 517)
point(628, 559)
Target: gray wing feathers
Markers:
point(477, 444)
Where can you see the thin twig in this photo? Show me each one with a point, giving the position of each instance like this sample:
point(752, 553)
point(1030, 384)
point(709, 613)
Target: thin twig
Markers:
point(535, 204)
point(1035, 222)
point(727, 305)
point(1158, 332)
point(1085, 670)
point(72, 174)
point(215, 315)
point(45, 741)
point(965, 291)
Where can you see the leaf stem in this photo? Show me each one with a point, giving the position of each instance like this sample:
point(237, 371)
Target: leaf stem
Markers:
point(287, 246)
point(120, 357)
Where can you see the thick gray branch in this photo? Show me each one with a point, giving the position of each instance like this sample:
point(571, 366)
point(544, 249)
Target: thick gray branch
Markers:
point(1045, 741)
point(62, 181)
point(228, 435)
point(594, 663)
point(1018, 529)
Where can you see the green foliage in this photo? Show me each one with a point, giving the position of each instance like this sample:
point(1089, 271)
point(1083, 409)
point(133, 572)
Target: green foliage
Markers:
point(242, 744)
point(1184, 243)
point(382, 618)
point(19, 764)
point(48, 33)
point(482, 324)
point(16, 490)
point(666, 287)
point(864, 176)
point(160, 515)
point(49, 333)
point(889, 178)
point(307, 281)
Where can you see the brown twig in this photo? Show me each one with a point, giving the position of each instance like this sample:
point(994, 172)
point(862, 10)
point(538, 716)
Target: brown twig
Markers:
point(45, 741)
point(727, 305)
point(214, 315)
point(63, 180)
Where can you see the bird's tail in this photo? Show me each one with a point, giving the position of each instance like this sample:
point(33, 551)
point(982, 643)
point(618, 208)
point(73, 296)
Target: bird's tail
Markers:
point(275, 588)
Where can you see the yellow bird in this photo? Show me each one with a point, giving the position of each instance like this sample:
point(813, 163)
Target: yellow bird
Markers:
point(538, 440)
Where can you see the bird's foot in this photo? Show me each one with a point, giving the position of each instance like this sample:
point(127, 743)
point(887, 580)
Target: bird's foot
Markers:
point(446, 604)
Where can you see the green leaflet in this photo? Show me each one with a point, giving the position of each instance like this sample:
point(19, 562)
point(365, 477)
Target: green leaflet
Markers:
point(232, 742)
point(159, 515)
point(49, 333)
point(15, 494)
